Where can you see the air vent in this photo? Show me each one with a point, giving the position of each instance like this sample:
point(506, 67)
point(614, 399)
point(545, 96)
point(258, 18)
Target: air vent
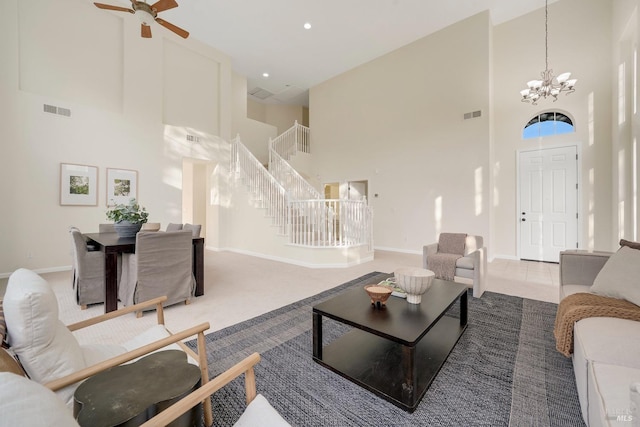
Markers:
point(193, 138)
point(57, 110)
point(50, 109)
point(472, 115)
point(260, 93)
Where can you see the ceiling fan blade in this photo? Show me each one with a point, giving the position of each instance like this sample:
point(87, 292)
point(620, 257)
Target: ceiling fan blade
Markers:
point(110, 7)
point(145, 31)
point(161, 5)
point(179, 31)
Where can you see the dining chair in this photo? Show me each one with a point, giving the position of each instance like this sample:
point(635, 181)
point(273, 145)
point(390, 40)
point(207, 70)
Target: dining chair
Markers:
point(88, 271)
point(106, 228)
point(194, 228)
point(174, 227)
point(161, 265)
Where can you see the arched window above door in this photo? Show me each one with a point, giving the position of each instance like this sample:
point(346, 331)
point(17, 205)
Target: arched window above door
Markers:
point(548, 123)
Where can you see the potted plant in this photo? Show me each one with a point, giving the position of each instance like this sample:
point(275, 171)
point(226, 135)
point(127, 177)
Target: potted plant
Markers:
point(128, 219)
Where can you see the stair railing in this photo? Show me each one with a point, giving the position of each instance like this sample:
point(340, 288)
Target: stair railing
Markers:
point(294, 139)
point(297, 187)
point(262, 185)
point(310, 222)
point(330, 223)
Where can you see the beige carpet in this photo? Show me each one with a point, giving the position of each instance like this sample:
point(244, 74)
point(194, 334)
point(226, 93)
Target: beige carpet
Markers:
point(240, 287)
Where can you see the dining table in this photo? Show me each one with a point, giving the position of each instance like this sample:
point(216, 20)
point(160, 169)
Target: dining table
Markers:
point(112, 246)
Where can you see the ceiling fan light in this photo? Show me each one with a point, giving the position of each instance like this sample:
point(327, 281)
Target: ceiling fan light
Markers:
point(145, 17)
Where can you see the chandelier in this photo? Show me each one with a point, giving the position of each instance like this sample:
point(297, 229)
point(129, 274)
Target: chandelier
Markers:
point(549, 85)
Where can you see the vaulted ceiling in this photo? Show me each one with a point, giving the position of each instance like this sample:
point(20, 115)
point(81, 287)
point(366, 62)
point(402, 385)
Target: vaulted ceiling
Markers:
point(267, 36)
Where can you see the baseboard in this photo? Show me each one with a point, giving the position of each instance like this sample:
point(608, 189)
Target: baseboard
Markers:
point(403, 251)
point(41, 270)
point(291, 261)
point(509, 257)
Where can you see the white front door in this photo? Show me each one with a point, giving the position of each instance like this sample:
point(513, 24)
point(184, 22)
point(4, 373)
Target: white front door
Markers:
point(548, 203)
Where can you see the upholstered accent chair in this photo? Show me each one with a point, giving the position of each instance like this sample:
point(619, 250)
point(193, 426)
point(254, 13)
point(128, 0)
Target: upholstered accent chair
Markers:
point(88, 271)
point(161, 265)
point(470, 268)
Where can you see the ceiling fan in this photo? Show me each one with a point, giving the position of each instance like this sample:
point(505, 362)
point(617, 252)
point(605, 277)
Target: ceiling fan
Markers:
point(148, 13)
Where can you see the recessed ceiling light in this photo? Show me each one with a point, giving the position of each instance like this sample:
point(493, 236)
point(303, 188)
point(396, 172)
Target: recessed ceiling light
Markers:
point(265, 74)
point(307, 26)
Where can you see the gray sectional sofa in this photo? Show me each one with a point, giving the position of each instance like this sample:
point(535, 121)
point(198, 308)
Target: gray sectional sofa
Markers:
point(606, 357)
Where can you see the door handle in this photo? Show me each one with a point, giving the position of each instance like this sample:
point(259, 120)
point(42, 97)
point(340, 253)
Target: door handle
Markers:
point(523, 219)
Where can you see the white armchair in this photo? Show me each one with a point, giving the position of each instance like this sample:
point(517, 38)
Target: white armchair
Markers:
point(471, 269)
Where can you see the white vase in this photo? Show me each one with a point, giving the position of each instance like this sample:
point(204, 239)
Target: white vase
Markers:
point(414, 281)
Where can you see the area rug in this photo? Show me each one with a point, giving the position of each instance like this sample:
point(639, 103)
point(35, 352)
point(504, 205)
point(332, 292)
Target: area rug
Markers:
point(504, 371)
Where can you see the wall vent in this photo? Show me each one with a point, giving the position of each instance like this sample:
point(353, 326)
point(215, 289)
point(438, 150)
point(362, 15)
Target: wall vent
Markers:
point(57, 110)
point(193, 138)
point(472, 115)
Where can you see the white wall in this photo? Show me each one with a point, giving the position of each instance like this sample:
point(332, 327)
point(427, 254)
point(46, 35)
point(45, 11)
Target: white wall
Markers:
point(254, 134)
point(279, 115)
point(132, 102)
point(397, 122)
point(579, 42)
point(626, 130)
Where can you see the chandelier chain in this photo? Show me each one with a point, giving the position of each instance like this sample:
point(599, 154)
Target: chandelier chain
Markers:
point(546, 34)
point(550, 85)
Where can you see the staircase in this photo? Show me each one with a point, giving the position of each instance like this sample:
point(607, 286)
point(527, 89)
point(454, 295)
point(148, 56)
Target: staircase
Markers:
point(295, 207)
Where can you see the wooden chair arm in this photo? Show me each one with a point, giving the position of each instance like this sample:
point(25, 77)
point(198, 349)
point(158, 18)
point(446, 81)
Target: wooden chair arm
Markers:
point(243, 367)
point(125, 310)
point(123, 358)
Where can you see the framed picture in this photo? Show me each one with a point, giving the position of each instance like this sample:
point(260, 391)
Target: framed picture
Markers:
point(78, 185)
point(122, 186)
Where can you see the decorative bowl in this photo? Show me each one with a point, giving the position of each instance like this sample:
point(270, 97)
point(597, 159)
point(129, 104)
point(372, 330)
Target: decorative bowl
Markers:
point(414, 281)
point(379, 294)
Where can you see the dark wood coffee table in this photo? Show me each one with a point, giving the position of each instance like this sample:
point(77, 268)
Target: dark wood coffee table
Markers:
point(396, 351)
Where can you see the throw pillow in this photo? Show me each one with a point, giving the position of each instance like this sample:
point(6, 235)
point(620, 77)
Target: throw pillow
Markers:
point(452, 243)
point(44, 345)
point(26, 403)
point(620, 276)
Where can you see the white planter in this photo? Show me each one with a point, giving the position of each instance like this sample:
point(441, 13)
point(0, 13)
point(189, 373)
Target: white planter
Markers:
point(414, 281)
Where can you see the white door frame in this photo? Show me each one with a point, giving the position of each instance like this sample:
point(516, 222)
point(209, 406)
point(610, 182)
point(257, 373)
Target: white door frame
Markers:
point(578, 195)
